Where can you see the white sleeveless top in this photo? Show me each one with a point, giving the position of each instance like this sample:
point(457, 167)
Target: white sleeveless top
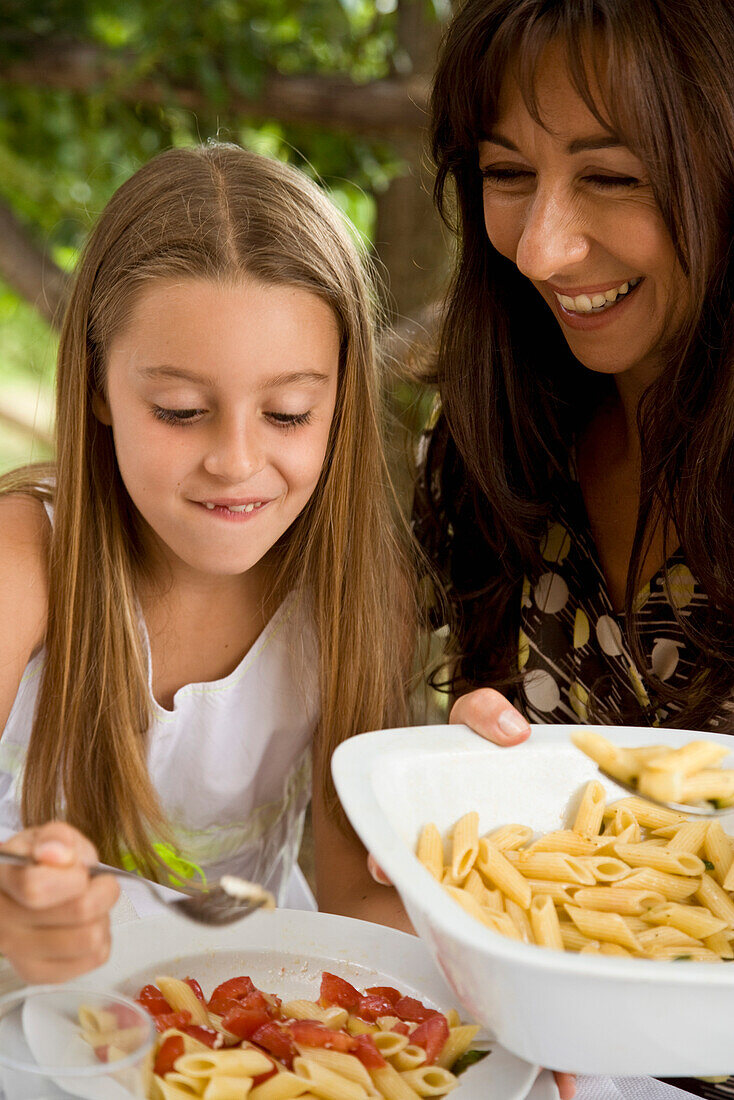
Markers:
point(231, 762)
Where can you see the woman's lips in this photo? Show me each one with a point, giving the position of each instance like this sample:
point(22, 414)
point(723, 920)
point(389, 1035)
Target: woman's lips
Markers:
point(600, 318)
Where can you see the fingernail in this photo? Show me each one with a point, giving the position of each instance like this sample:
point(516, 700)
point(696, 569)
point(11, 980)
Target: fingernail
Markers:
point(53, 851)
point(512, 723)
point(377, 872)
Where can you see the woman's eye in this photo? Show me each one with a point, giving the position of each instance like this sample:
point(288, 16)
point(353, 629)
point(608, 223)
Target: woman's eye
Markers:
point(176, 416)
point(613, 181)
point(505, 175)
point(289, 420)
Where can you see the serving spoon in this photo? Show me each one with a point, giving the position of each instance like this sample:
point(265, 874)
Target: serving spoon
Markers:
point(228, 900)
point(679, 807)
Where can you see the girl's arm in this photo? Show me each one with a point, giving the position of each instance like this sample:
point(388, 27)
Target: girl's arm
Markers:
point(343, 882)
point(54, 921)
point(24, 536)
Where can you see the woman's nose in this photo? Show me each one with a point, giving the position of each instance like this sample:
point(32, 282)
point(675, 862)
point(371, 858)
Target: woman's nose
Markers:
point(554, 236)
point(234, 454)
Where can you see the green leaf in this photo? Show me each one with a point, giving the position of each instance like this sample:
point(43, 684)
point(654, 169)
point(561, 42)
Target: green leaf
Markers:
point(469, 1058)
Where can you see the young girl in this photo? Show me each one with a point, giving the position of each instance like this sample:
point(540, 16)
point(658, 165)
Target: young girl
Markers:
point(210, 572)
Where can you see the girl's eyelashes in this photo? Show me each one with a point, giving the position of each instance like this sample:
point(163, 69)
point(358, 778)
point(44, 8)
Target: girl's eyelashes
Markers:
point(509, 176)
point(176, 416)
point(286, 421)
point(182, 417)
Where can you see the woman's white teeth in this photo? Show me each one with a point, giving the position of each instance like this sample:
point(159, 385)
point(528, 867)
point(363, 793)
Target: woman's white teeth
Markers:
point(583, 303)
point(233, 507)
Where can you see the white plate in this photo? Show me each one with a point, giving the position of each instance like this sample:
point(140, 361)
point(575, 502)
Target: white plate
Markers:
point(591, 1014)
point(284, 952)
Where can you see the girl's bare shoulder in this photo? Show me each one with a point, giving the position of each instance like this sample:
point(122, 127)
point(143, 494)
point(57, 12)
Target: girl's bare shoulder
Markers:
point(24, 542)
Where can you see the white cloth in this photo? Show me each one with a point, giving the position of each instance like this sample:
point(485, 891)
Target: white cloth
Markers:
point(231, 762)
point(626, 1088)
point(608, 1088)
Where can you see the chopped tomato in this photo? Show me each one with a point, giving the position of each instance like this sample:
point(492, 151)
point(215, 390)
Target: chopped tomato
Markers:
point(206, 1035)
point(408, 1008)
point(151, 998)
point(193, 984)
point(367, 1052)
point(388, 992)
point(431, 1035)
point(102, 1053)
point(401, 1028)
point(277, 1041)
point(311, 1033)
point(372, 1007)
point(233, 987)
point(243, 1021)
point(337, 991)
point(164, 1020)
point(260, 1001)
point(220, 1006)
point(171, 1049)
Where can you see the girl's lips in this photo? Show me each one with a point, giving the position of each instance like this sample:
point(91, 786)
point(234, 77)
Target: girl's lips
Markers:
point(591, 321)
point(221, 511)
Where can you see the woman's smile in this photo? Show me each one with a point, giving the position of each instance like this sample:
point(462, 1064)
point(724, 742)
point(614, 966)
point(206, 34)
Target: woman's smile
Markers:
point(594, 307)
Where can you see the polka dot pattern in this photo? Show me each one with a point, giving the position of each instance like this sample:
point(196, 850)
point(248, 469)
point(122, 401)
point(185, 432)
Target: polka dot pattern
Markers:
point(575, 650)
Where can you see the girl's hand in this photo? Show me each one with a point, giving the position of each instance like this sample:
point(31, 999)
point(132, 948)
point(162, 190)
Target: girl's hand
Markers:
point(54, 919)
point(491, 716)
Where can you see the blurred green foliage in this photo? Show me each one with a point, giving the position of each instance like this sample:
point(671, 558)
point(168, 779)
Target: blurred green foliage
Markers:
point(63, 153)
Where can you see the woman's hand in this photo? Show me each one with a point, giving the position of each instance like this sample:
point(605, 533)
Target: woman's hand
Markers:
point(54, 919)
point(491, 716)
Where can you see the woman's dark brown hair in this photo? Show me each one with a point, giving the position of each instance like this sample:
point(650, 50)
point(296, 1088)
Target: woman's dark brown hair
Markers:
point(513, 395)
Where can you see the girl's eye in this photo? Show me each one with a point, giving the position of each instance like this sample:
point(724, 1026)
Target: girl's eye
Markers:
point(505, 175)
point(289, 420)
point(176, 416)
point(613, 181)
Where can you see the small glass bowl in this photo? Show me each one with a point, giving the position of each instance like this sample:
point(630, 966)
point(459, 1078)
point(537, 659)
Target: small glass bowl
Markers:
point(70, 1041)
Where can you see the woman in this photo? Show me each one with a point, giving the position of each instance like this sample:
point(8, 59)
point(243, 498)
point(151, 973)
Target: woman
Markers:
point(576, 493)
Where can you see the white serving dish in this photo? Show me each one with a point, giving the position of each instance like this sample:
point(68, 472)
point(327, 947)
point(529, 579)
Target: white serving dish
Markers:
point(284, 952)
point(586, 1014)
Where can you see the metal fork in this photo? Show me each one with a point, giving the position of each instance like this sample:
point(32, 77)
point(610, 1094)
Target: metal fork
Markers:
point(679, 807)
point(211, 905)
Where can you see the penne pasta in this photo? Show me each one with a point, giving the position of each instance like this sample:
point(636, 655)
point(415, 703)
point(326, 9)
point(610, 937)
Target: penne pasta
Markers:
point(465, 845)
point(430, 1080)
point(545, 923)
point(430, 850)
point(610, 899)
point(718, 850)
point(692, 919)
point(605, 927)
point(590, 813)
point(496, 869)
point(660, 859)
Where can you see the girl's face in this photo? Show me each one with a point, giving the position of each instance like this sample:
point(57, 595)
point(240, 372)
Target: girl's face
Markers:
point(220, 398)
point(573, 207)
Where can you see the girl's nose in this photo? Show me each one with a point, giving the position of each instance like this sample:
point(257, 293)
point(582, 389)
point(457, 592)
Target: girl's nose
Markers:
point(554, 236)
point(234, 454)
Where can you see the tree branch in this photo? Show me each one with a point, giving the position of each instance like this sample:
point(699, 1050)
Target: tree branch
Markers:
point(29, 270)
point(377, 107)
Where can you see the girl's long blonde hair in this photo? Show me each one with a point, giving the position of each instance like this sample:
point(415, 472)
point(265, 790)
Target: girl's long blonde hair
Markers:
point(215, 212)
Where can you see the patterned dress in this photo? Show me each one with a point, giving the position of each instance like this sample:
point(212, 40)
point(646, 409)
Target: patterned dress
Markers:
point(574, 646)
